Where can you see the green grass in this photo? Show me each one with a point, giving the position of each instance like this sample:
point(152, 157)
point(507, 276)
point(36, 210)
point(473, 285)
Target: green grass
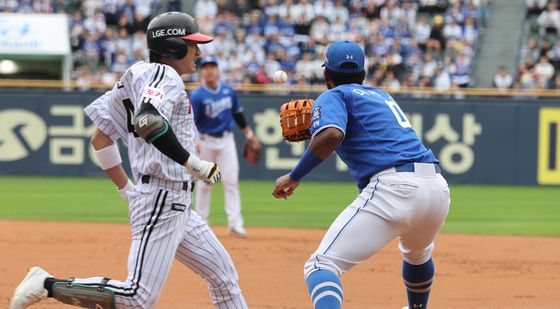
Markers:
point(474, 209)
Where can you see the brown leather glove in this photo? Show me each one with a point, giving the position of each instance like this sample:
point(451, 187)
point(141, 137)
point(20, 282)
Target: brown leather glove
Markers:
point(295, 119)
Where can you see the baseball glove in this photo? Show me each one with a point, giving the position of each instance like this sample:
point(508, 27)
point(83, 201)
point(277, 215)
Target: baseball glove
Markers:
point(295, 119)
point(252, 150)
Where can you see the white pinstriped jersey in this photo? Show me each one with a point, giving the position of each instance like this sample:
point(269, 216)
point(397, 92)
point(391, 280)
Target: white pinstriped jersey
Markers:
point(113, 113)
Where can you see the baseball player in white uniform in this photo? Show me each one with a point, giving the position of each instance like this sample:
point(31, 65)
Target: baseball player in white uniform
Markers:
point(216, 108)
point(149, 111)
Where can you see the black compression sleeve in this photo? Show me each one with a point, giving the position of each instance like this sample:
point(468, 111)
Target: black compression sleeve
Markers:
point(240, 120)
point(170, 146)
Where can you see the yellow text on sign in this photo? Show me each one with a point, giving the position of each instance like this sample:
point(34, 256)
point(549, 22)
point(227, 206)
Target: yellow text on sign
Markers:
point(548, 172)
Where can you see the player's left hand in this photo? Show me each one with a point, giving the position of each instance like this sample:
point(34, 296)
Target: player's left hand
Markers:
point(123, 192)
point(284, 187)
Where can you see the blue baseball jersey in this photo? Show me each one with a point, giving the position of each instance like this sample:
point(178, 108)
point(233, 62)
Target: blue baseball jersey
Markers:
point(214, 108)
point(377, 134)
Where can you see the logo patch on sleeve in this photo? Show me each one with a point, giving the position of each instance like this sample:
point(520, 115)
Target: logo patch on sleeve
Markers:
point(178, 207)
point(315, 115)
point(153, 93)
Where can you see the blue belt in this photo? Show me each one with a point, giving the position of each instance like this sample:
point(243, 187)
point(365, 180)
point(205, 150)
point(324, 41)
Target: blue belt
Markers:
point(409, 167)
point(217, 134)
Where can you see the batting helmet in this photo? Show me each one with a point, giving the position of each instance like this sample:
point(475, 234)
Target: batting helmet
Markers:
point(167, 33)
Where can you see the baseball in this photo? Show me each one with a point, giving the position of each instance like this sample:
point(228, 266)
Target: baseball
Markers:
point(280, 77)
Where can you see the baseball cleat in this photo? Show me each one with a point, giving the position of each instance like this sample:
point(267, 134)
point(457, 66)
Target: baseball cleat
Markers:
point(238, 232)
point(31, 289)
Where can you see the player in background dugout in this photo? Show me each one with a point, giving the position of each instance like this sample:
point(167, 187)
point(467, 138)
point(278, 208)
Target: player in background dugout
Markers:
point(402, 192)
point(215, 108)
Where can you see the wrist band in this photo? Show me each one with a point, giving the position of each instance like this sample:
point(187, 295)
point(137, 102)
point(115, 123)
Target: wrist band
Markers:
point(108, 157)
point(307, 162)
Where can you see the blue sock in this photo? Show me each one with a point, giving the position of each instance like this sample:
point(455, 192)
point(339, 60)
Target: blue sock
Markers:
point(325, 289)
point(418, 281)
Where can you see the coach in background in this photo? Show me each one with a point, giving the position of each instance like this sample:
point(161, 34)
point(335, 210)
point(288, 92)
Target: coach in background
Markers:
point(215, 108)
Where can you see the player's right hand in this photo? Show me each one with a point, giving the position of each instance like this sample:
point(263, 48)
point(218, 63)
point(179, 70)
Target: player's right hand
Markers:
point(284, 187)
point(203, 170)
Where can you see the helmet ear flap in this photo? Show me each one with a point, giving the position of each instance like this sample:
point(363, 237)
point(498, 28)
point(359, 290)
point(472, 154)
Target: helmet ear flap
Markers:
point(175, 48)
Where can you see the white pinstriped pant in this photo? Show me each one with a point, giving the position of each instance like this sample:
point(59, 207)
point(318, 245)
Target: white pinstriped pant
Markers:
point(164, 226)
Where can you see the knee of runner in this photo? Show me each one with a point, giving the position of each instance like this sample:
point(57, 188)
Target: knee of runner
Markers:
point(140, 298)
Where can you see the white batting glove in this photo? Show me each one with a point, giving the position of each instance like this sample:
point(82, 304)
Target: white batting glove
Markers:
point(203, 170)
point(124, 190)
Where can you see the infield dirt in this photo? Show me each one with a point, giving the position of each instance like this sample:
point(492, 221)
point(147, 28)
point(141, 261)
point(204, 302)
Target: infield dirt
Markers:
point(472, 271)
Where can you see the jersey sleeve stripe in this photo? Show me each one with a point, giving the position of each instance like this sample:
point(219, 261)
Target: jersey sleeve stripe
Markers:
point(155, 76)
point(160, 78)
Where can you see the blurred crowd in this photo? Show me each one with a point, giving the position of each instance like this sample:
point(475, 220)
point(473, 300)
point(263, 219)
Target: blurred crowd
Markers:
point(426, 43)
point(539, 56)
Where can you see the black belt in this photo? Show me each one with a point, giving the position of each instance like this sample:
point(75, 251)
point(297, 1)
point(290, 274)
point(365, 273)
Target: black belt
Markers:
point(217, 134)
point(409, 167)
point(146, 179)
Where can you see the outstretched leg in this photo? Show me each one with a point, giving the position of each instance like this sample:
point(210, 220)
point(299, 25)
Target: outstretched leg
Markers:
point(156, 232)
point(202, 252)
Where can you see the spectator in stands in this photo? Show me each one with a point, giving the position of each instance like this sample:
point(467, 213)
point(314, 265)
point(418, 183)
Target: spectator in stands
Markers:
point(391, 81)
point(319, 28)
point(535, 6)
point(391, 12)
point(526, 78)
point(549, 19)
point(409, 12)
point(455, 14)
point(554, 83)
point(429, 67)
point(433, 6)
point(205, 8)
point(270, 9)
point(258, 33)
point(461, 76)
point(83, 81)
point(436, 42)
point(442, 80)
point(303, 14)
point(546, 47)
point(339, 12)
point(452, 31)
point(240, 7)
point(502, 79)
point(105, 77)
point(422, 32)
point(471, 11)
point(530, 51)
point(543, 71)
point(555, 56)
point(323, 8)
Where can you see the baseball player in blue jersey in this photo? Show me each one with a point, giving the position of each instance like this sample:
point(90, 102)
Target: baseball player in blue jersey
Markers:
point(215, 108)
point(401, 190)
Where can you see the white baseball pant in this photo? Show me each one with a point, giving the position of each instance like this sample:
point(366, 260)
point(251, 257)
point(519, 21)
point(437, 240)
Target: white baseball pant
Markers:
point(163, 227)
point(409, 205)
point(222, 151)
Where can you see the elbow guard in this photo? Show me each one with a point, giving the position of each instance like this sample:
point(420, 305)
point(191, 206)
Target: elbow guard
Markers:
point(149, 124)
